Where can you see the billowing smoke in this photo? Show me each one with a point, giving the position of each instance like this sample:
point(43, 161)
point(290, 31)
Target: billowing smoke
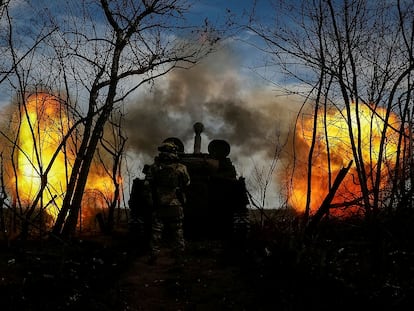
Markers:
point(215, 92)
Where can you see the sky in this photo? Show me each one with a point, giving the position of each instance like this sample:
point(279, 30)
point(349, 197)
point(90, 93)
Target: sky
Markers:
point(225, 91)
point(217, 12)
point(235, 91)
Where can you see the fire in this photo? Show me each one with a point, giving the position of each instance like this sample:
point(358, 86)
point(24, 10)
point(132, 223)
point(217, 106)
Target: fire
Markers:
point(334, 136)
point(43, 125)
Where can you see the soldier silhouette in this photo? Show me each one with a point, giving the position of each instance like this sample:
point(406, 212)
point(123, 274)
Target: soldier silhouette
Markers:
point(167, 179)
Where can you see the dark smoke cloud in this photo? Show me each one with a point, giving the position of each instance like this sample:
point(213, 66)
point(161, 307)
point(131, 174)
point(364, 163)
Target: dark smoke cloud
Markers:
point(216, 93)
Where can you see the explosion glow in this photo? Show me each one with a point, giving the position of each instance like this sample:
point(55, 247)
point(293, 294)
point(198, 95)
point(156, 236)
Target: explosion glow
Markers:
point(332, 138)
point(42, 127)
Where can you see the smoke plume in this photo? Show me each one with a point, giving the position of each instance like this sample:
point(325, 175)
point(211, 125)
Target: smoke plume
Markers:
point(249, 116)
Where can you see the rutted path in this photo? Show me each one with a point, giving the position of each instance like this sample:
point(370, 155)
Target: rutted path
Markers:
point(206, 280)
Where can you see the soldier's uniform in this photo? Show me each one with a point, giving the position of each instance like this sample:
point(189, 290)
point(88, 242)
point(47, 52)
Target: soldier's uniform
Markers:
point(167, 178)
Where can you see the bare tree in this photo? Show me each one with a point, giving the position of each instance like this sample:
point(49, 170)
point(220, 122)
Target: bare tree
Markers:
point(113, 143)
point(351, 56)
point(264, 177)
point(19, 45)
point(134, 42)
point(91, 58)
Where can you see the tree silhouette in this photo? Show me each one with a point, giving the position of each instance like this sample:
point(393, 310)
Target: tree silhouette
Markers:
point(92, 56)
point(350, 57)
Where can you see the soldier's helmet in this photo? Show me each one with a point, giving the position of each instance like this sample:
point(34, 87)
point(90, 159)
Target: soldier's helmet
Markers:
point(168, 147)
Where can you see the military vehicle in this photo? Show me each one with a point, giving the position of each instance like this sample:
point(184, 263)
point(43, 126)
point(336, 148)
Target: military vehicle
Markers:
point(216, 199)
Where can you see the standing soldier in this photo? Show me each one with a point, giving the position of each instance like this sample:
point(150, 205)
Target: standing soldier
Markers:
point(168, 179)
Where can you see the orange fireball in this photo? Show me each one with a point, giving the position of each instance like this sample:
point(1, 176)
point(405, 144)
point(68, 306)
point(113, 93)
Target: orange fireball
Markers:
point(333, 150)
point(43, 126)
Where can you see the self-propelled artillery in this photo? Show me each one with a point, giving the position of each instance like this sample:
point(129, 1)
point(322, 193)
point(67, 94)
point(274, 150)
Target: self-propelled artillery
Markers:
point(216, 205)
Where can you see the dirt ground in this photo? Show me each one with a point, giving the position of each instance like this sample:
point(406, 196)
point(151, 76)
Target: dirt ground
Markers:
point(205, 280)
point(347, 266)
point(108, 274)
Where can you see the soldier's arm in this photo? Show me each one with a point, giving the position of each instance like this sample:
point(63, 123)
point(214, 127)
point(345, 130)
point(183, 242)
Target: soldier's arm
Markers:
point(186, 176)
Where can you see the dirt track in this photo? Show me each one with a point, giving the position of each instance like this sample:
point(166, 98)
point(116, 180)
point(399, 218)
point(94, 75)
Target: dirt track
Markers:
point(108, 275)
point(207, 279)
point(349, 268)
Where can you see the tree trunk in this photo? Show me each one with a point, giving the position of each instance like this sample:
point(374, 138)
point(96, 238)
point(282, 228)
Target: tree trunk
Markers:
point(326, 204)
point(69, 227)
